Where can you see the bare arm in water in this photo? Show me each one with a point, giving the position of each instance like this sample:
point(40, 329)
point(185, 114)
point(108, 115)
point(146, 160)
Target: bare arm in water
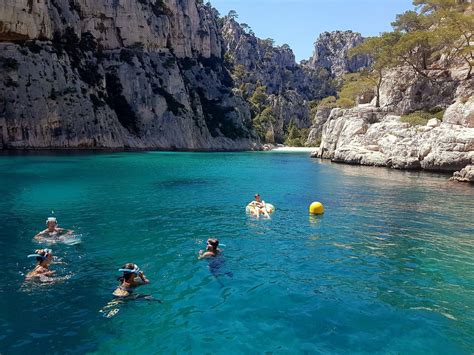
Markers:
point(41, 234)
point(141, 279)
point(59, 231)
point(208, 254)
point(205, 255)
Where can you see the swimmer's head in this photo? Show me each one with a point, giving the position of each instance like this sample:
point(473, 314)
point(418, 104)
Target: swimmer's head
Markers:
point(257, 197)
point(51, 222)
point(42, 255)
point(130, 270)
point(212, 243)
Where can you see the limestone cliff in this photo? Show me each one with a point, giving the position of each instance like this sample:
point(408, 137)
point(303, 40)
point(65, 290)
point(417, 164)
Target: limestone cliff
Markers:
point(403, 132)
point(115, 74)
point(332, 53)
point(371, 136)
point(377, 136)
point(289, 87)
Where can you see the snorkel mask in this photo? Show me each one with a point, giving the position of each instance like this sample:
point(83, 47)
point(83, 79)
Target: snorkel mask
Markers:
point(136, 270)
point(47, 253)
point(52, 219)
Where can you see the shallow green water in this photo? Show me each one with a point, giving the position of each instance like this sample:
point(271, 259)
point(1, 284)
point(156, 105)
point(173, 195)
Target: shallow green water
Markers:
point(388, 268)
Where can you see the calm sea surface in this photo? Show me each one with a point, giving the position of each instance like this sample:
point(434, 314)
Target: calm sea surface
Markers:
point(388, 269)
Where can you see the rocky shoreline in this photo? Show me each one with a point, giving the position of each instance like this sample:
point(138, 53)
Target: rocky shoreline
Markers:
point(464, 175)
point(367, 135)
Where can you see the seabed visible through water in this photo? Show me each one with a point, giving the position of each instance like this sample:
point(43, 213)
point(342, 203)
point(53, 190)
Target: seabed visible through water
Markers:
point(388, 268)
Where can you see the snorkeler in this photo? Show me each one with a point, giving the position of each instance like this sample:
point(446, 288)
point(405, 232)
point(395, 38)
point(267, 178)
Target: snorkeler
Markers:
point(52, 230)
point(216, 261)
point(131, 279)
point(260, 206)
point(41, 270)
point(212, 249)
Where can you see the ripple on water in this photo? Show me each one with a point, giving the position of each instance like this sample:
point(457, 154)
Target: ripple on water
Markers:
point(388, 268)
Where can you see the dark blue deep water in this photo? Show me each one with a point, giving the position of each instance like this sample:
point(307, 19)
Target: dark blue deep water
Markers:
point(388, 269)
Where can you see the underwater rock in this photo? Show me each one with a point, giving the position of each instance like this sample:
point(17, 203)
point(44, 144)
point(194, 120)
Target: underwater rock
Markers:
point(464, 175)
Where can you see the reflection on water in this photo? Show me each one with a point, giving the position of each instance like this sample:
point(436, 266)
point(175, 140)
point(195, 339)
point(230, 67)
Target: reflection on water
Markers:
point(404, 178)
point(387, 268)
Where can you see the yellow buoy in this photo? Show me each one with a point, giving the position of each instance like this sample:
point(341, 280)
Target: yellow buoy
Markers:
point(316, 208)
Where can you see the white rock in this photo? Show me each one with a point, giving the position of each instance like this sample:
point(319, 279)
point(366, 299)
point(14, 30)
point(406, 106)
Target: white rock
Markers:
point(445, 147)
point(461, 113)
point(464, 175)
point(434, 122)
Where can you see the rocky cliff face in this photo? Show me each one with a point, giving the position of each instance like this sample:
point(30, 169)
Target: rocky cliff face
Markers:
point(115, 74)
point(289, 86)
point(403, 90)
point(332, 53)
point(377, 136)
point(370, 136)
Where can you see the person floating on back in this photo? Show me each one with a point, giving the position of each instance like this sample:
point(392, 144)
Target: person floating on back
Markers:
point(259, 206)
point(131, 279)
point(41, 270)
point(212, 249)
point(52, 230)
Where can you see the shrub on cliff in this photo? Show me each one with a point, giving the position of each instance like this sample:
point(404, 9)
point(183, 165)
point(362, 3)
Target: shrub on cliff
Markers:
point(328, 102)
point(345, 102)
point(263, 125)
point(296, 137)
point(421, 118)
point(355, 86)
point(259, 98)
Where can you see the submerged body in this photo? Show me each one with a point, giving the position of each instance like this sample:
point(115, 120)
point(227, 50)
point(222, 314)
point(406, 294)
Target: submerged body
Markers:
point(41, 271)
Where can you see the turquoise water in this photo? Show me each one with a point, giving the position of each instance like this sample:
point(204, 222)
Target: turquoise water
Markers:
point(387, 269)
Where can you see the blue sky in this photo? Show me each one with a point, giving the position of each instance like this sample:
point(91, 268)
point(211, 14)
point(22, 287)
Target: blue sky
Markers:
point(299, 22)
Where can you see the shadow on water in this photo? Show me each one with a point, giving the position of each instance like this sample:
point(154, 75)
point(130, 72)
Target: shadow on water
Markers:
point(185, 182)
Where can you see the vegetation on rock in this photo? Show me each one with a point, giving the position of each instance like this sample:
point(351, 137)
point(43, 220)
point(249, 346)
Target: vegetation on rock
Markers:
point(421, 118)
point(436, 28)
point(431, 37)
point(266, 75)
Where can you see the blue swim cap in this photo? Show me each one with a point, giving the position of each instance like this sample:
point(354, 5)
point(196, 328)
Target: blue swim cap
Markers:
point(47, 252)
point(136, 270)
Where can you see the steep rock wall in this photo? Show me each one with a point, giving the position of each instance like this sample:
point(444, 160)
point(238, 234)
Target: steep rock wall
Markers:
point(331, 51)
point(116, 74)
point(289, 86)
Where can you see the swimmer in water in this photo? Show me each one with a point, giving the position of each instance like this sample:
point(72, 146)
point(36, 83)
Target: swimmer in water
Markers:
point(131, 279)
point(212, 249)
point(53, 230)
point(260, 206)
point(41, 270)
